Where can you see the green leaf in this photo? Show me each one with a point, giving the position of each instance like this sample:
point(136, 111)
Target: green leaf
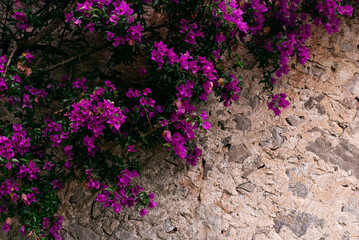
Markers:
point(167, 145)
point(109, 189)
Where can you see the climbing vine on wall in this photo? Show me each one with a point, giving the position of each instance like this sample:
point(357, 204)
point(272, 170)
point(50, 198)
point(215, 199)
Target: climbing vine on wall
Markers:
point(175, 50)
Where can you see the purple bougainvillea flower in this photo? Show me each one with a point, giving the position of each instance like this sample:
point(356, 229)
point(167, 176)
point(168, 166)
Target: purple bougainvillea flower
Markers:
point(90, 26)
point(151, 195)
point(206, 125)
point(278, 101)
point(3, 86)
point(67, 165)
point(29, 56)
point(101, 198)
point(5, 227)
point(204, 115)
point(69, 17)
point(142, 71)
point(22, 19)
point(131, 148)
point(109, 85)
point(116, 207)
point(89, 142)
point(48, 165)
point(143, 212)
point(143, 101)
point(16, 79)
point(78, 22)
point(152, 204)
point(217, 53)
point(8, 165)
point(164, 123)
point(22, 230)
point(3, 209)
point(26, 101)
point(45, 223)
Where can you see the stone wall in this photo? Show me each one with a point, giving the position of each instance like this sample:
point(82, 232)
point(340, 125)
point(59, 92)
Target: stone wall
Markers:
point(262, 177)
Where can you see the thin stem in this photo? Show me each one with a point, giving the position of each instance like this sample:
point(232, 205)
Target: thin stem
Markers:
point(10, 57)
point(171, 162)
point(149, 121)
point(46, 31)
point(48, 69)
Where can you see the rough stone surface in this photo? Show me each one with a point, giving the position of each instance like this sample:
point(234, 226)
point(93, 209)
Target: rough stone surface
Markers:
point(262, 177)
point(352, 206)
point(276, 140)
point(168, 226)
point(78, 193)
point(242, 122)
point(346, 47)
point(123, 234)
point(293, 177)
point(297, 222)
point(238, 154)
point(247, 186)
point(343, 154)
point(296, 186)
point(353, 85)
point(250, 165)
point(293, 120)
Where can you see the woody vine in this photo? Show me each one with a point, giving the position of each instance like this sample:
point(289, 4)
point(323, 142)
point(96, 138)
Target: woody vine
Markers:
point(63, 123)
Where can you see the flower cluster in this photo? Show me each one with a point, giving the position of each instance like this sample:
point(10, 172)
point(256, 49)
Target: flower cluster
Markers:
point(2, 64)
point(122, 198)
point(8, 188)
point(114, 15)
point(31, 93)
point(19, 143)
point(56, 227)
point(187, 63)
point(146, 106)
point(231, 14)
point(178, 143)
point(21, 182)
point(231, 89)
point(31, 171)
point(329, 9)
point(22, 91)
point(92, 114)
point(22, 21)
point(55, 130)
point(185, 120)
point(259, 9)
point(190, 31)
point(179, 67)
point(278, 101)
point(6, 226)
point(286, 37)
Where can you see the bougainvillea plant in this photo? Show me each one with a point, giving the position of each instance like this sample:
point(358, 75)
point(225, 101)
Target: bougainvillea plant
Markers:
point(151, 62)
